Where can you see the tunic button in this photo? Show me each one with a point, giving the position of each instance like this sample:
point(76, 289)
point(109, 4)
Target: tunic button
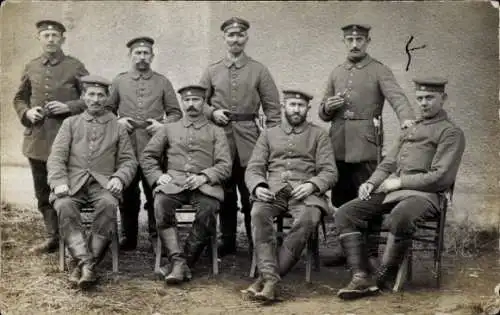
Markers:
point(46, 86)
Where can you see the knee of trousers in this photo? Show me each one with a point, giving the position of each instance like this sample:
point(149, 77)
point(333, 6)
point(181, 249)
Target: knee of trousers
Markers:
point(310, 218)
point(401, 223)
point(107, 203)
point(164, 211)
point(343, 220)
point(65, 207)
point(260, 215)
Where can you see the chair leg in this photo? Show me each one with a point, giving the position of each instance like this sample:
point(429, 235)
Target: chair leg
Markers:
point(409, 273)
point(437, 260)
point(159, 248)
point(115, 248)
point(215, 258)
point(402, 274)
point(309, 253)
point(253, 266)
point(315, 251)
point(62, 254)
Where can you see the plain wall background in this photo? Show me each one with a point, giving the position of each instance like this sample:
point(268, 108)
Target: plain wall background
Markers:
point(300, 42)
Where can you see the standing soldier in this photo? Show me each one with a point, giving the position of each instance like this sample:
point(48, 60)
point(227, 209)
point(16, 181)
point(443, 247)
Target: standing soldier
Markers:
point(237, 86)
point(355, 94)
point(49, 92)
point(141, 97)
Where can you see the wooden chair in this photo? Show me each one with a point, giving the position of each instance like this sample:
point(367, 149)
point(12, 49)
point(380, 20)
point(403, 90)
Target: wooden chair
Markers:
point(87, 215)
point(181, 221)
point(312, 247)
point(430, 233)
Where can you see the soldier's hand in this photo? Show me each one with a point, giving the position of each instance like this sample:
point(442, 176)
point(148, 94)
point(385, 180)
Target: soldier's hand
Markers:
point(407, 123)
point(264, 194)
point(57, 108)
point(334, 102)
point(302, 191)
point(154, 126)
point(115, 186)
point(61, 191)
point(390, 184)
point(195, 181)
point(220, 117)
point(365, 190)
point(125, 121)
point(34, 114)
point(164, 179)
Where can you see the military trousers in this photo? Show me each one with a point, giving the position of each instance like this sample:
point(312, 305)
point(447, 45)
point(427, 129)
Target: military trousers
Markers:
point(229, 210)
point(131, 206)
point(204, 224)
point(42, 193)
point(356, 215)
point(351, 176)
point(305, 221)
point(94, 195)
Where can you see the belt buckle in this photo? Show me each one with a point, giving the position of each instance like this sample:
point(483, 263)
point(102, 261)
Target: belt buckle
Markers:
point(348, 115)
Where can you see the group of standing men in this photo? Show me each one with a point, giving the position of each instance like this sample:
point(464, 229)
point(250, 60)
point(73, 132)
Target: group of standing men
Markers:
point(133, 131)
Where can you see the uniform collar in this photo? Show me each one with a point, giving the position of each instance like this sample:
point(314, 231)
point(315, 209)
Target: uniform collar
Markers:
point(441, 115)
point(288, 129)
point(138, 74)
point(53, 59)
point(197, 124)
point(360, 64)
point(240, 62)
point(104, 118)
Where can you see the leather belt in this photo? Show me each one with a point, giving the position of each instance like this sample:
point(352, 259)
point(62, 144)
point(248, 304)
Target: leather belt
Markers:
point(240, 116)
point(350, 115)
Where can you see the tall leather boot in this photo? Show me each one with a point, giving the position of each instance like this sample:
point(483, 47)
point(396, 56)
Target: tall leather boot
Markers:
point(286, 260)
point(180, 271)
point(394, 253)
point(361, 284)
point(198, 239)
point(336, 257)
point(78, 248)
point(98, 246)
point(269, 290)
point(51, 243)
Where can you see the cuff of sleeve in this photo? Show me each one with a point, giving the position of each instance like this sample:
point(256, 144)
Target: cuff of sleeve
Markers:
point(24, 120)
point(258, 184)
point(406, 182)
point(319, 185)
point(58, 182)
point(210, 177)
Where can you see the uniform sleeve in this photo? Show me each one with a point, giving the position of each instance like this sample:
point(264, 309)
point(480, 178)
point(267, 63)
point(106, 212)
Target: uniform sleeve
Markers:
point(326, 169)
point(151, 158)
point(170, 103)
point(387, 166)
point(255, 174)
point(329, 92)
point(269, 98)
point(394, 94)
point(126, 163)
point(444, 167)
point(221, 170)
point(78, 106)
point(206, 81)
point(22, 98)
point(57, 163)
point(114, 97)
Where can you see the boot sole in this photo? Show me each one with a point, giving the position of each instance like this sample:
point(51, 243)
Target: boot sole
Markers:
point(175, 281)
point(356, 294)
point(86, 284)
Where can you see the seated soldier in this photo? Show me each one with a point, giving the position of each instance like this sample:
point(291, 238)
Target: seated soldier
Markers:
point(185, 163)
point(291, 168)
point(405, 185)
point(91, 162)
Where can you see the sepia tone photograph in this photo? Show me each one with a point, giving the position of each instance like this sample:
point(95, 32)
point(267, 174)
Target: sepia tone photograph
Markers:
point(233, 157)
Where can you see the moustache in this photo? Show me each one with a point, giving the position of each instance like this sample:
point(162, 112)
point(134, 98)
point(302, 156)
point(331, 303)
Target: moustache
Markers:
point(355, 50)
point(191, 109)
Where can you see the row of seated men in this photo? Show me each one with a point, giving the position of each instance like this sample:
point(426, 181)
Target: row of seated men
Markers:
point(291, 168)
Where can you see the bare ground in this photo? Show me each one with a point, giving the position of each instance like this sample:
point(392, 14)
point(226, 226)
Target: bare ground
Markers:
point(33, 284)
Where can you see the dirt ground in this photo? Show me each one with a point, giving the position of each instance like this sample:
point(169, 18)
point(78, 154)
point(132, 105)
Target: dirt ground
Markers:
point(33, 284)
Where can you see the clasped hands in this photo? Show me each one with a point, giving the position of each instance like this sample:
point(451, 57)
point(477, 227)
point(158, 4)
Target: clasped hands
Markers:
point(192, 182)
point(300, 192)
point(36, 114)
point(115, 186)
